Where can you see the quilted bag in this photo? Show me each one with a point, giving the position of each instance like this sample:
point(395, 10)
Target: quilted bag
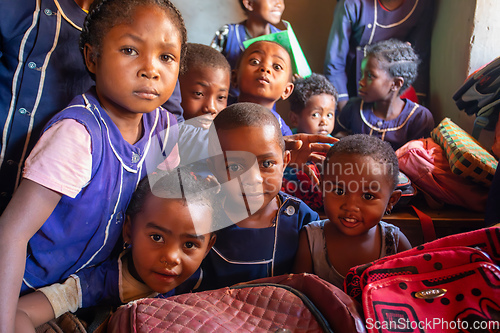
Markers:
point(259, 306)
point(465, 155)
point(448, 285)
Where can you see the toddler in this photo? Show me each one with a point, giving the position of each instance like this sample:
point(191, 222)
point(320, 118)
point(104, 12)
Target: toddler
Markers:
point(264, 75)
point(167, 233)
point(80, 177)
point(313, 102)
point(204, 87)
point(389, 67)
point(262, 15)
point(261, 237)
point(359, 23)
point(360, 175)
point(312, 105)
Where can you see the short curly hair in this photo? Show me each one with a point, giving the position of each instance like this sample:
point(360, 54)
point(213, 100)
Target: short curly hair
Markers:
point(366, 145)
point(202, 56)
point(400, 59)
point(105, 14)
point(305, 88)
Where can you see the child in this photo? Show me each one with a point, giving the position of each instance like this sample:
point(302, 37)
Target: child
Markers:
point(359, 23)
point(261, 15)
point(359, 180)
point(41, 72)
point(161, 251)
point(389, 67)
point(264, 75)
point(83, 171)
point(248, 160)
point(204, 84)
point(313, 102)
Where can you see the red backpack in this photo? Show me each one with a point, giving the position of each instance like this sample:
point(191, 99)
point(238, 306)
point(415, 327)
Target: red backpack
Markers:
point(448, 285)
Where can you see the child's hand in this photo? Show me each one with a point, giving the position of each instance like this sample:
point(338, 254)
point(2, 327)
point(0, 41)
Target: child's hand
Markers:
point(306, 148)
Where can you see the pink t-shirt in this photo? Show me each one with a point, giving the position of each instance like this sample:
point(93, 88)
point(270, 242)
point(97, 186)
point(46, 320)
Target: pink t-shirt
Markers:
point(62, 158)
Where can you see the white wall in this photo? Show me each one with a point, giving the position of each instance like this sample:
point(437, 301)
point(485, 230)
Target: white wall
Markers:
point(465, 37)
point(204, 17)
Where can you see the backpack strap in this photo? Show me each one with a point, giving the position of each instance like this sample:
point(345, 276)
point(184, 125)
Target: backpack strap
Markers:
point(427, 225)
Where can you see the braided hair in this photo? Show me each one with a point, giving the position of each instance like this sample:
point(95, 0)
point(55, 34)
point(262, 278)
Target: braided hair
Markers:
point(105, 14)
point(400, 58)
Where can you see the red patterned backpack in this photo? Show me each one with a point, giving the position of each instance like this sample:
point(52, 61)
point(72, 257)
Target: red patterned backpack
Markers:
point(448, 285)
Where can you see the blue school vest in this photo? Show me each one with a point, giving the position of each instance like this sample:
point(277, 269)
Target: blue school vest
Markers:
point(244, 254)
point(82, 232)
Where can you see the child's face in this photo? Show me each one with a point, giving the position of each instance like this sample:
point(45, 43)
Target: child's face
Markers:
point(264, 74)
point(166, 248)
point(269, 11)
point(375, 84)
point(357, 192)
point(204, 93)
point(318, 116)
point(138, 63)
point(253, 156)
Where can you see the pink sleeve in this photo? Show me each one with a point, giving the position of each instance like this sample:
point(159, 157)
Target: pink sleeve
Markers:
point(62, 159)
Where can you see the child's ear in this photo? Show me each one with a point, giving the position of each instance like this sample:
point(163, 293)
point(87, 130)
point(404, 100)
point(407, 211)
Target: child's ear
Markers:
point(286, 158)
point(248, 4)
point(288, 91)
point(294, 118)
point(397, 83)
point(127, 230)
point(393, 200)
point(90, 58)
point(211, 243)
point(234, 78)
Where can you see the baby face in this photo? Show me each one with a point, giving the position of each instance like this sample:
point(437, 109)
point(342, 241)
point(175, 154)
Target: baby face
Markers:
point(356, 193)
point(204, 93)
point(318, 116)
point(264, 74)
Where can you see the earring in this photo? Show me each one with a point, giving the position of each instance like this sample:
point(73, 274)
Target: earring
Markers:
point(126, 245)
point(388, 212)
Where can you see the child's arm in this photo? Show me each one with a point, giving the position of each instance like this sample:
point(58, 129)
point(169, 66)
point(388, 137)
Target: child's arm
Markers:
point(404, 243)
point(33, 310)
point(30, 206)
point(303, 258)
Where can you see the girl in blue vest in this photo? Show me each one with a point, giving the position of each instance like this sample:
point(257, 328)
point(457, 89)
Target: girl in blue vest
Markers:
point(68, 211)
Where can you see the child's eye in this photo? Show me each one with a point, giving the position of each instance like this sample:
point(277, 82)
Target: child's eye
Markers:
point(167, 58)
point(190, 245)
point(222, 98)
point(234, 167)
point(156, 238)
point(329, 115)
point(268, 164)
point(338, 191)
point(315, 115)
point(277, 67)
point(254, 61)
point(198, 94)
point(368, 196)
point(129, 51)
